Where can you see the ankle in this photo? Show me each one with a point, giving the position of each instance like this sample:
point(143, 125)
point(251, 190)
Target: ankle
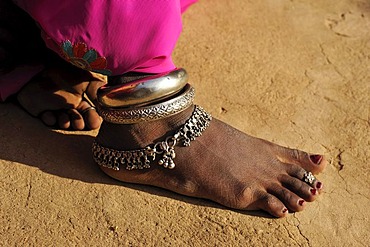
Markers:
point(139, 135)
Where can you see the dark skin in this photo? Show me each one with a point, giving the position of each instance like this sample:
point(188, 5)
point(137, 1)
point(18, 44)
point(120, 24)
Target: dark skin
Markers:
point(56, 96)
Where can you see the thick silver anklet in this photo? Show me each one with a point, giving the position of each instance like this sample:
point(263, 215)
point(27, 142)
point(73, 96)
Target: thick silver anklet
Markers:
point(141, 158)
point(148, 90)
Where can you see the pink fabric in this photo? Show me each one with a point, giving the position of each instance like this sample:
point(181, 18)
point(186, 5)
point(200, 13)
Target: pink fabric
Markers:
point(135, 35)
point(109, 37)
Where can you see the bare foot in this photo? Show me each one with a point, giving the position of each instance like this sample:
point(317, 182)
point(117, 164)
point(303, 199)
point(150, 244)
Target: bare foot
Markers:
point(56, 96)
point(223, 165)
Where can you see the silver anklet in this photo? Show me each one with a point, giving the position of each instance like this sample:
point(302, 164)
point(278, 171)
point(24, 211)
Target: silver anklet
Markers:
point(148, 90)
point(141, 158)
point(161, 110)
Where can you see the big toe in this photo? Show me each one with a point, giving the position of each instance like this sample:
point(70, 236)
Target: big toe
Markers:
point(314, 163)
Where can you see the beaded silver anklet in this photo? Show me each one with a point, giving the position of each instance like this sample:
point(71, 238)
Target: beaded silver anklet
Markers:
point(141, 158)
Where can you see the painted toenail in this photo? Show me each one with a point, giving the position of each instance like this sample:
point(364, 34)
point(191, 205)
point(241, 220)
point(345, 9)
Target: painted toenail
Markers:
point(316, 159)
point(301, 202)
point(285, 210)
point(313, 191)
point(318, 185)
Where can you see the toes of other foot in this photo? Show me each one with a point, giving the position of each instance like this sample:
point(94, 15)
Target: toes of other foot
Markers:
point(63, 120)
point(77, 118)
point(48, 118)
point(77, 121)
point(91, 117)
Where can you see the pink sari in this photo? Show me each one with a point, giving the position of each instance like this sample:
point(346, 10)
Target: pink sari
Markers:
point(108, 37)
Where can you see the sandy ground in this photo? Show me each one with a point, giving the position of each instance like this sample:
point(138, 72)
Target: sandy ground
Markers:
point(296, 72)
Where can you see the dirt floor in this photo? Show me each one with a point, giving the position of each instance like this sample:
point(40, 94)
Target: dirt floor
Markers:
point(295, 72)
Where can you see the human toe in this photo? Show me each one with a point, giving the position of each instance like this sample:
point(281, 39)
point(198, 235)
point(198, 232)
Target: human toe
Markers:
point(63, 120)
point(77, 121)
point(292, 201)
point(48, 118)
point(314, 163)
point(90, 116)
point(319, 186)
point(92, 120)
point(300, 180)
point(272, 205)
point(300, 188)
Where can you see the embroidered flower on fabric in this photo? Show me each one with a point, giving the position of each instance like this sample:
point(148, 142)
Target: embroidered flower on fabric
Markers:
point(84, 58)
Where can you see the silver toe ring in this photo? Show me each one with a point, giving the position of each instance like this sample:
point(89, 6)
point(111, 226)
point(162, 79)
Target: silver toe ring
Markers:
point(309, 178)
point(88, 109)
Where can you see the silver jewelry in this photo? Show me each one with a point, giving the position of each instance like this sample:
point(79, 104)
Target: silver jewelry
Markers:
point(88, 109)
point(149, 113)
point(143, 91)
point(141, 158)
point(309, 178)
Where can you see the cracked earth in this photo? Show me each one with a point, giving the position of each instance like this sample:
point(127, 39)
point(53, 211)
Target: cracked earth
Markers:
point(295, 72)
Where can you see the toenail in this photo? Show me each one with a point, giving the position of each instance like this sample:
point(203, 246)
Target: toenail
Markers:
point(318, 185)
point(285, 210)
point(316, 159)
point(313, 191)
point(301, 202)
